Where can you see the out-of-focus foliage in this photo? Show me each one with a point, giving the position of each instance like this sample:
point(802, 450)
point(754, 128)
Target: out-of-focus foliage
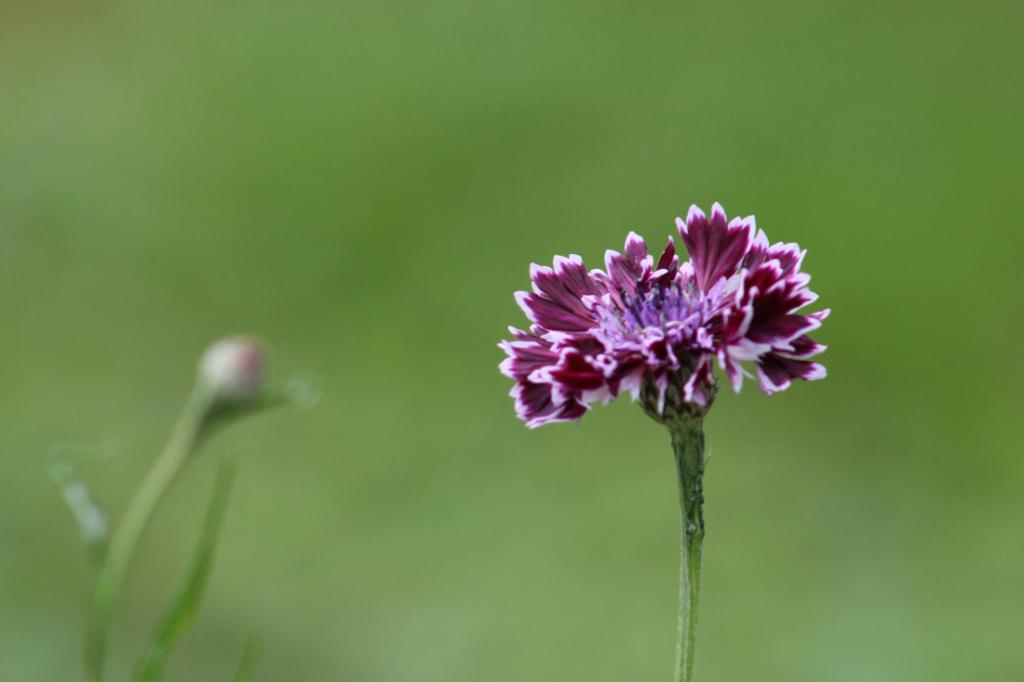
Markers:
point(364, 184)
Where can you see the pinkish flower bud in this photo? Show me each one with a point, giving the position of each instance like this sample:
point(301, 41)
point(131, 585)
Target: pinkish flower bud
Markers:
point(234, 369)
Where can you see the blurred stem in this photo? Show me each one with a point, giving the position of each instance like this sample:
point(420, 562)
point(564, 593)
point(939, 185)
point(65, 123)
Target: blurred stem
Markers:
point(180, 616)
point(688, 446)
point(184, 440)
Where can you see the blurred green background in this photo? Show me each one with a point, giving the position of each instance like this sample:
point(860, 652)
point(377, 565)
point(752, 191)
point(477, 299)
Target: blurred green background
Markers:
point(364, 184)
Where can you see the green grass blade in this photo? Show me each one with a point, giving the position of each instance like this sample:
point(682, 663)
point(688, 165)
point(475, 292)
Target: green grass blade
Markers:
point(249, 652)
point(182, 613)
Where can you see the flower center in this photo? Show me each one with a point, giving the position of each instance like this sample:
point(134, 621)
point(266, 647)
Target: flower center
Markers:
point(660, 308)
point(654, 320)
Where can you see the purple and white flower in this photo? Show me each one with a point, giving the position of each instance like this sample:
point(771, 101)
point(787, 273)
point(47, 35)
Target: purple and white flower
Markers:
point(655, 329)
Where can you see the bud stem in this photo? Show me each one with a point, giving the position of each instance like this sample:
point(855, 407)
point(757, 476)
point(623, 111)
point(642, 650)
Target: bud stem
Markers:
point(184, 440)
point(688, 446)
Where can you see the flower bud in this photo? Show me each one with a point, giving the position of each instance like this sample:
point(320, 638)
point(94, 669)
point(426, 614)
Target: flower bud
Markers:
point(234, 369)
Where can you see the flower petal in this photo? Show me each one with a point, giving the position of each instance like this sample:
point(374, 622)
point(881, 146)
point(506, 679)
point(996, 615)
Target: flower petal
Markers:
point(716, 246)
point(775, 372)
point(535, 406)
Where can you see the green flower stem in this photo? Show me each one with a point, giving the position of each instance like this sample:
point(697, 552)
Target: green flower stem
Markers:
point(181, 614)
point(688, 445)
point(184, 440)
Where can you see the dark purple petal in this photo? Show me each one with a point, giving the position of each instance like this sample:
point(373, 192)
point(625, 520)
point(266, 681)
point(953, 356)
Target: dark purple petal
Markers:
point(699, 387)
point(574, 277)
point(574, 373)
point(556, 303)
point(773, 299)
point(803, 347)
point(628, 374)
point(790, 256)
point(535, 406)
point(668, 256)
point(732, 369)
point(716, 246)
point(625, 271)
point(668, 265)
point(762, 324)
point(552, 315)
point(775, 373)
point(622, 276)
point(636, 250)
point(556, 287)
point(526, 357)
point(758, 251)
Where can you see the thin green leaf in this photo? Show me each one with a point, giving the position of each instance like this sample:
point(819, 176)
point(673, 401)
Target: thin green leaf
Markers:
point(181, 615)
point(249, 652)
